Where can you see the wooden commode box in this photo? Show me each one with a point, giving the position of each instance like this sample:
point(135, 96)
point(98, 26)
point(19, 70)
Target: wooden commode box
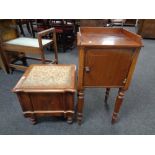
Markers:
point(47, 90)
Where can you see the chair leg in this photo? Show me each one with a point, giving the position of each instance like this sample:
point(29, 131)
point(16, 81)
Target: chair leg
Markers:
point(55, 48)
point(21, 29)
point(56, 54)
point(28, 27)
point(106, 95)
point(32, 31)
point(63, 42)
point(43, 56)
point(4, 64)
point(24, 61)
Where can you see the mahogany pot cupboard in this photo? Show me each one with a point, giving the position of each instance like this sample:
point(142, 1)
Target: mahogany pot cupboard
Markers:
point(107, 58)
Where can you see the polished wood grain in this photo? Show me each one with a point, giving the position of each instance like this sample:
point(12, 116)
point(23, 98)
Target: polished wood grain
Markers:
point(105, 65)
point(40, 100)
point(108, 37)
point(107, 58)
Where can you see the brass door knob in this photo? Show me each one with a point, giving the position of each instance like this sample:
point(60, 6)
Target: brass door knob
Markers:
point(87, 69)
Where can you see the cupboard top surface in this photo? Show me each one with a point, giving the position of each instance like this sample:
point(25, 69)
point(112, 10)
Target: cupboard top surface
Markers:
point(96, 36)
point(47, 78)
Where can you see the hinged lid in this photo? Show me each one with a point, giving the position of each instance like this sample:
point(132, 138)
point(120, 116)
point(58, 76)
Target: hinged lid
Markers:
point(47, 78)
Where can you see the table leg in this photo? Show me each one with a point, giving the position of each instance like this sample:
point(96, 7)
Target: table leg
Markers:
point(118, 104)
point(106, 95)
point(80, 106)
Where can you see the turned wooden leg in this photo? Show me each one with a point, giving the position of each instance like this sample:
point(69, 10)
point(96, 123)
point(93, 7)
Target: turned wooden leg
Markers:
point(118, 104)
point(80, 106)
point(33, 120)
point(106, 95)
point(69, 120)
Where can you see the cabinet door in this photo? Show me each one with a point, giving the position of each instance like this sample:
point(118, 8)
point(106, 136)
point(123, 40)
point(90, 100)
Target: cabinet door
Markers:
point(107, 67)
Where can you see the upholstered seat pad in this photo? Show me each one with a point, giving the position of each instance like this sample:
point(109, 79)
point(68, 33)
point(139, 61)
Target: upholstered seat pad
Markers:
point(31, 42)
point(49, 77)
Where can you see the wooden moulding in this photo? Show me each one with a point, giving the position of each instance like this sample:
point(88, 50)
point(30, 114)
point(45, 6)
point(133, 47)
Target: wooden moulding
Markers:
point(107, 37)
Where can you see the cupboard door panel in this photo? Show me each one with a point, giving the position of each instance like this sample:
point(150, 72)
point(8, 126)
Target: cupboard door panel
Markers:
point(107, 67)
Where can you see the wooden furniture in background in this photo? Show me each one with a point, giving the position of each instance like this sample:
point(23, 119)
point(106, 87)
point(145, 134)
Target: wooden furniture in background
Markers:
point(38, 25)
point(47, 90)
point(65, 30)
point(12, 44)
point(8, 31)
point(117, 22)
point(24, 22)
point(146, 28)
point(93, 22)
point(107, 58)
point(130, 22)
point(3, 62)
